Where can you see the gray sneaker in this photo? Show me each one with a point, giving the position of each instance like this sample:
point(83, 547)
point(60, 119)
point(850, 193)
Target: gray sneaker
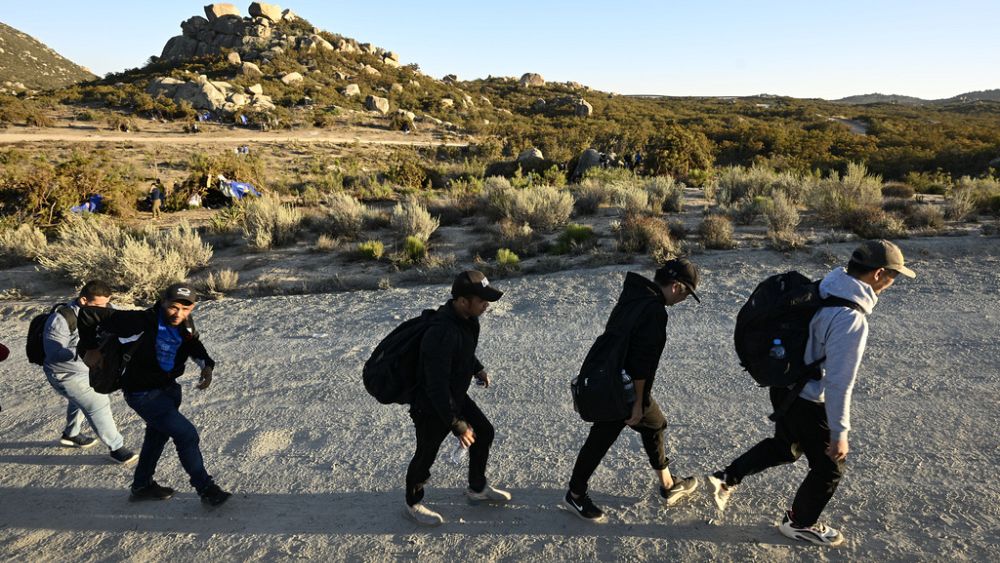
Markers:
point(423, 515)
point(817, 534)
point(78, 441)
point(123, 456)
point(681, 490)
point(488, 494)
point(720, 491)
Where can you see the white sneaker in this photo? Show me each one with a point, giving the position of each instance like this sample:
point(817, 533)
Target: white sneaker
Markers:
point(818, 534)
point(720, 491)
point(681, 489)
point(423, 515)
point(488, 494)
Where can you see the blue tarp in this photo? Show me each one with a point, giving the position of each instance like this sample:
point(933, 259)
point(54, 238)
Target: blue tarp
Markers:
point(238, 190)
point(92, 205)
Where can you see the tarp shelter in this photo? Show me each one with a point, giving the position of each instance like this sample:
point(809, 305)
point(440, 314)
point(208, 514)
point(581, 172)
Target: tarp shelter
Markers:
point(92, 205)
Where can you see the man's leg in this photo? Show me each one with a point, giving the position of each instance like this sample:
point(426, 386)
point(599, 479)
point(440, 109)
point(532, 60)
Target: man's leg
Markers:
point(96, 407)
point(479, 452)
point(74, 418)
point(824, 474)
point(602, 436)
point(780, 449)
point(650, 429)
point(430, 432)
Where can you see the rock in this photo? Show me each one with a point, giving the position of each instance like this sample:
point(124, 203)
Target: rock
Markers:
point(291, 78)
point(321, 43)
point(262, 10)
point(256, 89)
point(532, 79)
point(467, 101)
point(234, 58)
point(407, 114)
point(375, 103)
point(396, 88)
point(392, 55)
point(263, 103)
point(393, 63)
point(367, 48)
point(216, 11)
point(370, 70)
point(250, 69)
point(227, 25)
point(575, 85)
point(163, 85)
point(289, 16)
point(588, 159)
point(447, 102)
point(530, 155)
point(449, 79)
point(337, 75)
point(179, 47)
point(201, 95)
point(193, 25)
point(414, 84)
point(485, 100)
point(539, 105)
point(582, 108)
point(239, 100)
point(351, 90)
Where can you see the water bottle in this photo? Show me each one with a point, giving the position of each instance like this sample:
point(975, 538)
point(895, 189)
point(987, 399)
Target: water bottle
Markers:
point(777, 350)
point(459, 454)
point(629, 388)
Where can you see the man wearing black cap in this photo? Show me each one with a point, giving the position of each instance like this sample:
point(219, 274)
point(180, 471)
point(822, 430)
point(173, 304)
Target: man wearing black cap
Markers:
point(167, 339)
point(643, 300)
point(441, 403)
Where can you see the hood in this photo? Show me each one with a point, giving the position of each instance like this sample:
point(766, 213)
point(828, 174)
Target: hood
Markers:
point(838, 284)
point(638, 287)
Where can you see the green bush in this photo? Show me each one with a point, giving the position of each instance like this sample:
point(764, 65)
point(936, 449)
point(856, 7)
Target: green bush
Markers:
point(507, 259)
point(665, 194)
point(873, 223)
point(717, 232)
point(267, 222)
point(590, 194)
point(898, 189)
point(840, 196)
point(642, 233)
point(411, 219)
point(924, 217)
point(345, 215)
point(371, 249)
point(575, 238)
point(632, 200)
point(781, 214)
point(414, 249)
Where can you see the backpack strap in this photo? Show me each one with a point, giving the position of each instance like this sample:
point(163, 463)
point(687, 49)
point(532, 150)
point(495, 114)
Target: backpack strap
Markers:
point(67, 313)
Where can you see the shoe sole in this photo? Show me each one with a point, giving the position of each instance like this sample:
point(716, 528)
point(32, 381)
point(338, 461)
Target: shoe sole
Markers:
point(409, 516)
point(565, 505)
point(209, 504)
point(128, 461)
point(133, 498)
point(716, 487)
point(809, 538)
point(477, 501)
point(681, 495)
point(68, 444)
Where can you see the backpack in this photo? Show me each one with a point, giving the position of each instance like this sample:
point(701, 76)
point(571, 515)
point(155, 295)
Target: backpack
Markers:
point(34, 349)
point(780, 309)
point(390, 374)
point(602, 391)
point(108, 371)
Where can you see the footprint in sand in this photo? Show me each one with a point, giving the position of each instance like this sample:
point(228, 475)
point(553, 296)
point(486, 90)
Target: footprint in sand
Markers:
point(269, 443)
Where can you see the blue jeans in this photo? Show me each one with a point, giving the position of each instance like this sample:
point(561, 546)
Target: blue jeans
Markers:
point(84, 402)
point(158, 407)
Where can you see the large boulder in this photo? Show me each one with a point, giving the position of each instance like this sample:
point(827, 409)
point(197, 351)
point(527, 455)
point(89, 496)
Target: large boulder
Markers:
point(216, 11)
point(530, 155)
point(201, 94)
point(164, 85)
point(447, 102)
point(193, 25)
point(291, 78)
point(588, 159)
point(288, 15)
point(351, 90)
point(375, 103)
point(396, 88)
point(582, 108)
point(227, 25)
point(256, 89)
point(239, 100)
point(251, 70)
point(370, 70)
point(531, 79)
point(233, 58)
point(262, 10)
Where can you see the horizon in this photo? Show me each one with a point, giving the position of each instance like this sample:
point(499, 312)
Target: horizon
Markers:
point(781, 48)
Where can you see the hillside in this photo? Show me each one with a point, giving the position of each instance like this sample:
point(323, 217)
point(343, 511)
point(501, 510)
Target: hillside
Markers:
point(876, 98)
point(27, 64)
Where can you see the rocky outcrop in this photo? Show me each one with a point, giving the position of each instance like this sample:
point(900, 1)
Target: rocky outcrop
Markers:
point(588, 159)
point(216, 11)
point(262, 10)
point(205, 94)
point(530, 155)
point(375, 103)
point(291, 78)
point(531, 79)
point(233, 58)
point(251, 70)
point(351, 90)
point(582, 108)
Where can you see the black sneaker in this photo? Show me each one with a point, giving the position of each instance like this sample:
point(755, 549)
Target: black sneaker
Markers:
point(152, 491)
point(213, 495)
point(585, 508)
point(78, 441)
point(123, 456)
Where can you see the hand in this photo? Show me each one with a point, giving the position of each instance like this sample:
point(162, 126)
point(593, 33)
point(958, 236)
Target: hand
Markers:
point(483, 377)
point(468, 438)
point(837, 451)
point(636, 414)
point(206, 378)
point(92, 358)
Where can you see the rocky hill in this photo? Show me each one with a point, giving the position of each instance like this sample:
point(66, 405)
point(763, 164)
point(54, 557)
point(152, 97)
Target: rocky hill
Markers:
point(27, 64)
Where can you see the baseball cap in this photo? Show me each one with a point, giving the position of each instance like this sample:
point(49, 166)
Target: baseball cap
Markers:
point(474, 282)
point(680, 270)
point(881, 254)
point(180, 292)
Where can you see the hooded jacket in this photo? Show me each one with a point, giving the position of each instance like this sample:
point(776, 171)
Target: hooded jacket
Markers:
point(60, 344)
point(648, 334)
point(840, 334)
point(144, 371)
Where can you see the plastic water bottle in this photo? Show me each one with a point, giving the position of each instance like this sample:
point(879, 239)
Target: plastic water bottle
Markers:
point(629, 388)
point(777, 350)
point(459, 454)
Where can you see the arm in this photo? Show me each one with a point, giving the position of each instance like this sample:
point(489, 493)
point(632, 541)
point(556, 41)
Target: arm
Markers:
point(640, 387)
point(646, 344)
point(436, 351)
point(113, 321)
point(845, 345)
point(57, 340)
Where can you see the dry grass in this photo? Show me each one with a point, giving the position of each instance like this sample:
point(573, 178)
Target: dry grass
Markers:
point(267, 222)
point(717, 232)
point(223, 281)
point(642, 233)
point(345, 215)
point(22, 244)
point(410, 219)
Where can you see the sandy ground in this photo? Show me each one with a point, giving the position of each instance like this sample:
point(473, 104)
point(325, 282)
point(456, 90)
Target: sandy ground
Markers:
point(317, 465)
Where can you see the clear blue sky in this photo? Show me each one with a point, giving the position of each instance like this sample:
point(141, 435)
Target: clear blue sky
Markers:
point(801, 48)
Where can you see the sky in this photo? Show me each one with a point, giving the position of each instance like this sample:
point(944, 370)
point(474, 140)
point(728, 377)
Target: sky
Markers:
point(804, 48)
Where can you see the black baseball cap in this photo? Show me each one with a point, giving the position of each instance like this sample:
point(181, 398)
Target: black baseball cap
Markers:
point(474, 282)
point(680, 270)
point(181, 292)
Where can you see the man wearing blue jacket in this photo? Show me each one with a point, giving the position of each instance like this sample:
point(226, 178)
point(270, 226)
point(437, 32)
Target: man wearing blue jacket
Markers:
point(818, 422)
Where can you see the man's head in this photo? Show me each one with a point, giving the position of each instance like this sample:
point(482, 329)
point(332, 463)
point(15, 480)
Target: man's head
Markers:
point(177, 302)
point(677, 279)
point(472, 293)
point(877, 263)
point(94, 293)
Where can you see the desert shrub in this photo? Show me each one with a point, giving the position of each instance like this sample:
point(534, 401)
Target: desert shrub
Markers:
point(590, 194)
point(784, 241)
point(22, 244)
point(411, 219)
point(226, 220)
point(747, 210)
point(451, 209)
point(371, 249)
point(507, 259)
point(717, 232)
point(185, 240)
point(665, 194)
point(267, 222)
point(898, 189)
point(678, 230)
point(575, 238)
point(542, 207)
point(345, 215)
point(642, 233)
point(840, 196)
point(899, 205)
point(960, 204)
point(924, 217)
point(781, 214)
point(974, 194)
point(736, 183)
point(518, 237)
point(223, 281)
point(935, 183)
point(414, 249)
point(325, 243)
point(632, 200)
point(873, 223)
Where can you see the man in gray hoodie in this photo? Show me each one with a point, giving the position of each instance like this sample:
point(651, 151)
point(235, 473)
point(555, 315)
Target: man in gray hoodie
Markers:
point(70, 377)
point(818, 421)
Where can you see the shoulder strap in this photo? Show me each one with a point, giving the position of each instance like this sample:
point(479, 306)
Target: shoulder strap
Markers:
point(67, 314)
point(841, 302)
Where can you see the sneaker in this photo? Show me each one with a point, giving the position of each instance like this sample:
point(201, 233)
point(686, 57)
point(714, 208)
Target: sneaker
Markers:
point(152, 491)
point(679, 491)
point(818, 534)
point(78, 441)
point(213, 495)
point(123, 456)
point(720, 491)
point(488, 494)
point(585, 508)
point(423, 515)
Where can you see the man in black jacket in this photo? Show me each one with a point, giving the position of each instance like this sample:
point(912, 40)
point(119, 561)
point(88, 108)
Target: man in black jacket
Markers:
point(167, 339)
point(644, 300)
point(441, 403)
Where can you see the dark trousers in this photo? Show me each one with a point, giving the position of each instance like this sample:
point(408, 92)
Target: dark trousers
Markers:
point(603, 435)
point(803, 430)
point(431, 431)
point(158, 407)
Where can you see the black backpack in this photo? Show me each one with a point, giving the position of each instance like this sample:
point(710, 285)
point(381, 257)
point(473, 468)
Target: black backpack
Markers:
point(602, 391)
point(34, 349)
point(781, 308)
point(107, 374)
point(390, 374)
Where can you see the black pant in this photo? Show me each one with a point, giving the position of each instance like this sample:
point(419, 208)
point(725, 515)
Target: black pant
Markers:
point(603, 435)
point(803, 430)
point(431, 431)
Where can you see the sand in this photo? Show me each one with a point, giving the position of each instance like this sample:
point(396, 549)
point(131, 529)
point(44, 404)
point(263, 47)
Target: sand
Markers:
point(317, 466)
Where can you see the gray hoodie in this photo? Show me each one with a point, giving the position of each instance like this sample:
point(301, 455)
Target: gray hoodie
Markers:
point(840, 334)
point(60, 346)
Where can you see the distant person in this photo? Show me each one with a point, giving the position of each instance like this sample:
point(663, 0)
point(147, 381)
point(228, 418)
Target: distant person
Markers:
point(70, 377)
point(645, 301)
point(441, 404)
point(168, 340)
point(817, 422)
point(157, 195)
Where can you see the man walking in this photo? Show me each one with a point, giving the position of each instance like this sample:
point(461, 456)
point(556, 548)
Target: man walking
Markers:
point(441, 403)
point(817, 422)
point(167, 339)
point(156, 197)
point(70, 377)
point(643, 300)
